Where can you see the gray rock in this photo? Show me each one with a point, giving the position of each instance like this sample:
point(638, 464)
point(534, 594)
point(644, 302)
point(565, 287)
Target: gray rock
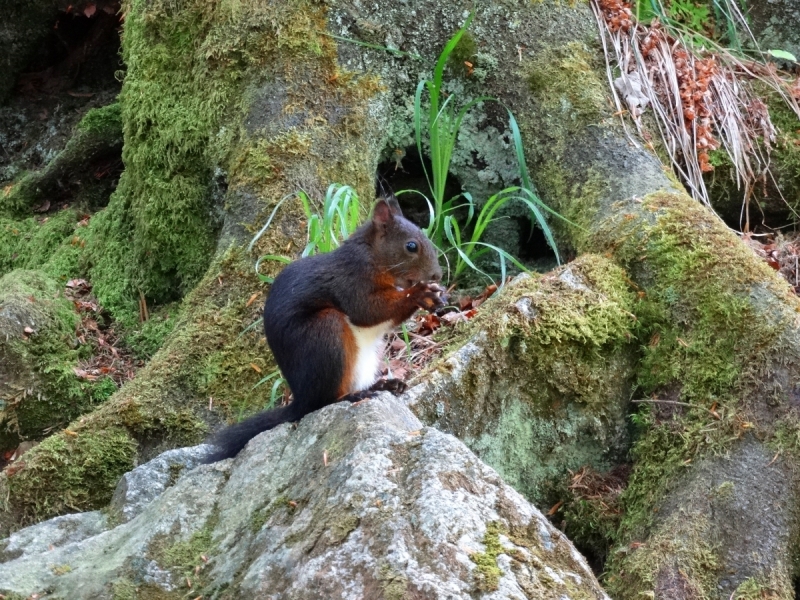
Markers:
point(60, 531)
point(145, 483)
point(355, 502)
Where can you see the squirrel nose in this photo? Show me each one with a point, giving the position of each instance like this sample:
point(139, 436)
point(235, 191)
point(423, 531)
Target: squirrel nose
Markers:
point(436, 275)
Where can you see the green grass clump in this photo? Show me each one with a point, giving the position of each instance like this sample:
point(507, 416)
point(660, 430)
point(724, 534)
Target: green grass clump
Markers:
point(441, 123)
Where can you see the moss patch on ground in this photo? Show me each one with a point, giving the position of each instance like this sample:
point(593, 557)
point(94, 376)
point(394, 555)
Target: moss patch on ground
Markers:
point(31, 242)
point(42, 361)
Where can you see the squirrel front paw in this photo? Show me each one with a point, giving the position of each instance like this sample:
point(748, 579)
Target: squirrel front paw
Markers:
point(428, 296)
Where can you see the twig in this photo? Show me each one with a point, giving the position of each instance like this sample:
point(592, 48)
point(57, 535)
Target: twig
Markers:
point(675, 402)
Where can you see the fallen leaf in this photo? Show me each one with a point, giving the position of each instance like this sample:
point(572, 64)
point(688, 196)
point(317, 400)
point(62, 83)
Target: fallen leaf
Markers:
point(255, 367)
point(252, 299)
point(554, 508)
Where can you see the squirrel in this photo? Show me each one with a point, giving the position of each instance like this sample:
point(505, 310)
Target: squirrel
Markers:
point(326, 316)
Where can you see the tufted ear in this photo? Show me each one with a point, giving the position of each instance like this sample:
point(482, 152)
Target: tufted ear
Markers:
point(385, 211)
point(394, 205)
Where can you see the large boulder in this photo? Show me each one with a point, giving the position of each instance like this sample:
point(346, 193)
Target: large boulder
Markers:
point(356, 501)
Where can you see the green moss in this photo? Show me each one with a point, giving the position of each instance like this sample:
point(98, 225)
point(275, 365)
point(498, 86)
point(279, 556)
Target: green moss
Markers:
point(681, 541)
point(758, 588)
point(48, 357)
point(187, 71)
point(703, 343)
point(101, 120)
point(123, 589)
point(393, 584)
point(564, 82)
point(487, 572)
point(60, 570)
point(591, 524)
point(185, 556)
point(465, 51)
point(84, 468)
point(168, 399)
point(262, 515)
point(342, 526)
point(569, 333)
point(144, 339)
point(696, 320)
point(29, 243)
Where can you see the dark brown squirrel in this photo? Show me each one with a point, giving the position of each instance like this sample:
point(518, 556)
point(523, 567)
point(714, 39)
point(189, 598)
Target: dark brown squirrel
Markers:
point(326, 316)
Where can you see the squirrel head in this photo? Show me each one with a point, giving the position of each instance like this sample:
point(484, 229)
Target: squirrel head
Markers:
point(401, 247)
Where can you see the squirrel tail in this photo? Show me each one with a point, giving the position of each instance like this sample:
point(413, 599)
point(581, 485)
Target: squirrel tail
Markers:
point(230, 441)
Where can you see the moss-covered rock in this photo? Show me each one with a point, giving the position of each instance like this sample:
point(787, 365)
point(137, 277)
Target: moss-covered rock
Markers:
point(29, 243)
point(39, 390)
point(542, 383)
point(97, 135)
point(204, 373)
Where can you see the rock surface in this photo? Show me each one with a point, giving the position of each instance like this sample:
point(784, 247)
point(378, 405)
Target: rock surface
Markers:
point(22, 28)
point(354, 502)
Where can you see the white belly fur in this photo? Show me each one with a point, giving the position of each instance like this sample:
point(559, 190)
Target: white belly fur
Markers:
point(370, 343)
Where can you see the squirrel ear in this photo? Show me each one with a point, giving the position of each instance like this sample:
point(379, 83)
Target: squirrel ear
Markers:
point(394, 205)
point(384, 211)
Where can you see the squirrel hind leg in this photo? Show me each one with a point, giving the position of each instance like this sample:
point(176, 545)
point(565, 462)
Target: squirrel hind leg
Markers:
point(317, 360)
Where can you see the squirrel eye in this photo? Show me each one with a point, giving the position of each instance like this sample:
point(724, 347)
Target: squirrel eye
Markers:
point(411, 246)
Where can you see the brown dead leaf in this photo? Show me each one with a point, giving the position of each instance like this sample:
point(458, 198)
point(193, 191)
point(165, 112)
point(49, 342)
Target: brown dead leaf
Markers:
point(255, 367)
point(252, 299)
point(554, 509)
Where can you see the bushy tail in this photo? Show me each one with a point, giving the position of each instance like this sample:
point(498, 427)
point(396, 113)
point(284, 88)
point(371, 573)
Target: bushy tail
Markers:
point(231, 440)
